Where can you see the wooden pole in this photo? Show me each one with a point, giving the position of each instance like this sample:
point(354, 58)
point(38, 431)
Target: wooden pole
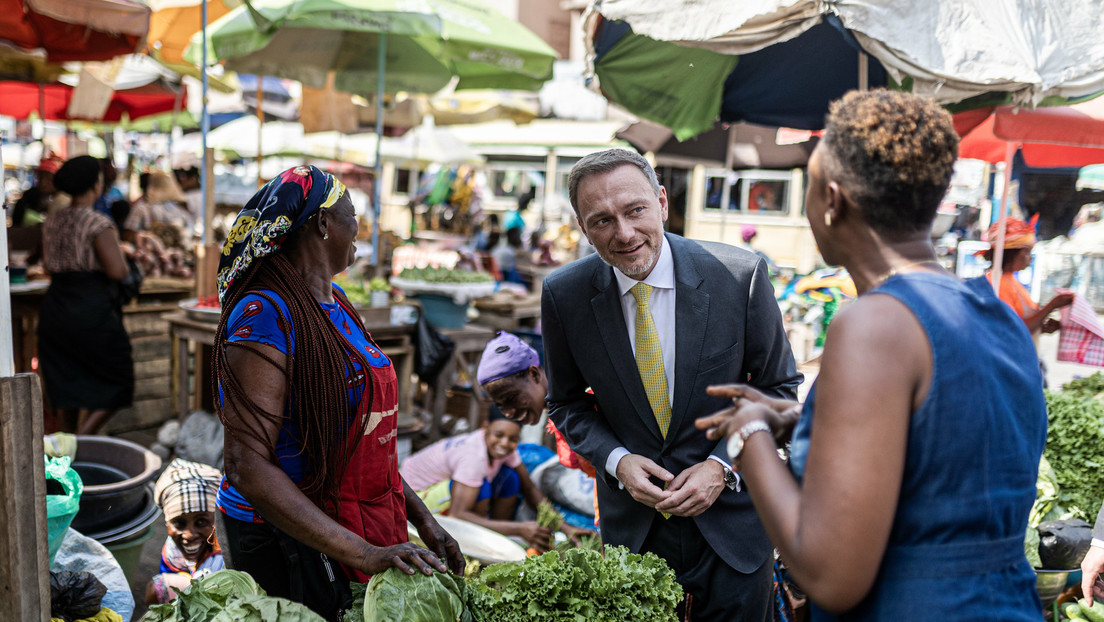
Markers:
point(24, 564)
point(1002, 217)
point(7, 360)
point(260, 129)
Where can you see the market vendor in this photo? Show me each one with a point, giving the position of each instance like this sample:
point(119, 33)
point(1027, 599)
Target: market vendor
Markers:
point(186, 492)
point(478, 477)
point(309, 401)
point(1019, 239)
point(34, 204)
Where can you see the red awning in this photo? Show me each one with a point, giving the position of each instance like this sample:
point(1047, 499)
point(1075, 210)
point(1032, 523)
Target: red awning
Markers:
point(20, 99)
point(1061, 136)
point(75, 30)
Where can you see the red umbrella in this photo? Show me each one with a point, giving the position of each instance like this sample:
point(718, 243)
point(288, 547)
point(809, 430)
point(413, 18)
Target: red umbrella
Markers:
point(75, 30)
point(1062, 136)
point(50, 101)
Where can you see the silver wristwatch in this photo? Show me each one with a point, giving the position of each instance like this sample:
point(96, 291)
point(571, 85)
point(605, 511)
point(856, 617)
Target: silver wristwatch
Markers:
point(736, 442)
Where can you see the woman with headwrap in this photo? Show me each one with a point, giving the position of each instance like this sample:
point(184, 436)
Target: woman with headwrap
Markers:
point(1019, 239)
point(185, 492)
point(309, 401)
point(84, 349)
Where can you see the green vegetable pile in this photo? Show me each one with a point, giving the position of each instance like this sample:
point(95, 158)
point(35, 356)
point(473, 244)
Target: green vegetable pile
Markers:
point(228, 595)
point(355, 291)
point(445, 275)
point(1080, 611)
point(1075, 445)
point(577, 585)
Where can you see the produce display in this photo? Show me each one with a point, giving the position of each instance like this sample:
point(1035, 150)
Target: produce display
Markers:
point(445, 275)
point(354, 291)
point(570, 585)
point(1075, 445)
point(1080, 611)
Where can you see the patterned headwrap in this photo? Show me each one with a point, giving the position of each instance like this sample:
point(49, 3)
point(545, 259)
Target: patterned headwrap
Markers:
point(187, 487)
point(283, 205)
point(1017, 233)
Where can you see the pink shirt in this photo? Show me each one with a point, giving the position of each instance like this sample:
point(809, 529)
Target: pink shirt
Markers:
point(460, 458)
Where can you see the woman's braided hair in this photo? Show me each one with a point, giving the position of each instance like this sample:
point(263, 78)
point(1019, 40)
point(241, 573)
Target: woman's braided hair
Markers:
point(317, 395)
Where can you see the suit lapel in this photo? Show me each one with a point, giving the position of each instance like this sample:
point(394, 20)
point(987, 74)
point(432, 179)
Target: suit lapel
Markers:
point(615, 337)
point(691, 320)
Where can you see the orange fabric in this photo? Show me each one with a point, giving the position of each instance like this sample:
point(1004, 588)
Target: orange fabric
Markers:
point(1015, 295)
point(1017, 233)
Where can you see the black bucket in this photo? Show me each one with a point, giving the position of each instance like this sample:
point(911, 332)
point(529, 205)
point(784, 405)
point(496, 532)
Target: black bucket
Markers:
point(116, 474)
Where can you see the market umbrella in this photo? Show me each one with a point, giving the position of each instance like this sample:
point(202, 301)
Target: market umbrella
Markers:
point(51, 101)
point(428, 144)
point(380, 46)
point(75, 30)
point(779, 62)
point(1063, 136)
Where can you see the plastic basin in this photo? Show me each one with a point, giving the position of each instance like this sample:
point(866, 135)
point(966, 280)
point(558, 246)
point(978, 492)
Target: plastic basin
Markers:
point(1049, 584)
point(115, 473)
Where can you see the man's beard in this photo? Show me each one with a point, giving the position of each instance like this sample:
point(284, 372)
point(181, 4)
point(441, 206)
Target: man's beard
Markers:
point(634, 269)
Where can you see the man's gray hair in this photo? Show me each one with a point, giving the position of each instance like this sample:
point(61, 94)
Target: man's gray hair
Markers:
point(604, 162)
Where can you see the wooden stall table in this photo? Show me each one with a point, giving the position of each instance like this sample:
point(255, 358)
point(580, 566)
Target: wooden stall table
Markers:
point(149, 339)
point(509, 312)
point(470, 342)
point(192, 326)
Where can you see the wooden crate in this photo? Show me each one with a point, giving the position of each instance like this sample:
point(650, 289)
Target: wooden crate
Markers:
point(151, 348)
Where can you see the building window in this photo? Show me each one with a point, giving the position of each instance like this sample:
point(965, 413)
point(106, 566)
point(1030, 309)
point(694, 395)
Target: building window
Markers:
point(751, 192)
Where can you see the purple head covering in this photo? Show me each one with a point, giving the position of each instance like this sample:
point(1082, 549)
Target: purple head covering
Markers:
point(504, 356)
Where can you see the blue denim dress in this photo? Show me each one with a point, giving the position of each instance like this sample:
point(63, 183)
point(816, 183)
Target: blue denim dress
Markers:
point(956, 551)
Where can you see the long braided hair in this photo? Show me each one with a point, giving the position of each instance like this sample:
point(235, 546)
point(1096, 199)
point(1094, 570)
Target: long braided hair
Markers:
point(315, 379)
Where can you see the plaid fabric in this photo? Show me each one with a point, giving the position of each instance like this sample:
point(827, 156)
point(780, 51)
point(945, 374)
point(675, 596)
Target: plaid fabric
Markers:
point(187, 487)
point(1082, 337)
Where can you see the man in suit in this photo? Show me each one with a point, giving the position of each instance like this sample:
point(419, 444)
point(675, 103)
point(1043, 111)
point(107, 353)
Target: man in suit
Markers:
point(705, 314)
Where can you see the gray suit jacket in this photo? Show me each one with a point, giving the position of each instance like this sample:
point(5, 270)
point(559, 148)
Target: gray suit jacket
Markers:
point(729, 329)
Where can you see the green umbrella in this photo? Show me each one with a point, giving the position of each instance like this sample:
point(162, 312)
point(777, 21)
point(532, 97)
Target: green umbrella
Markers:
point(379, 46)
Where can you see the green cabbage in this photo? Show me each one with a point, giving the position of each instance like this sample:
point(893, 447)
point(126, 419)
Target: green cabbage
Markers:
point(228, 596)
point(394, 596)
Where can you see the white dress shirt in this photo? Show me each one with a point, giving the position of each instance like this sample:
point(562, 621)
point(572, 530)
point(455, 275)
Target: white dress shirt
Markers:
point(662, 306)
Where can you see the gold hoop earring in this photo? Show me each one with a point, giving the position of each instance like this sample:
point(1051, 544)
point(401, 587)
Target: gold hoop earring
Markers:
point(827, 219)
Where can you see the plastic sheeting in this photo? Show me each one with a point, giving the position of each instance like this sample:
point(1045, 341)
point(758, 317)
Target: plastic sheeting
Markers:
point(952, 49)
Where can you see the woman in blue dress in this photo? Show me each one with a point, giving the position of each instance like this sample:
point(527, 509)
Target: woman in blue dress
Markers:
point(914, 458)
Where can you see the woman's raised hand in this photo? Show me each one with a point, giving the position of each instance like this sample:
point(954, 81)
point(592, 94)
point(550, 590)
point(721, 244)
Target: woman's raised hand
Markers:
point(749, 403)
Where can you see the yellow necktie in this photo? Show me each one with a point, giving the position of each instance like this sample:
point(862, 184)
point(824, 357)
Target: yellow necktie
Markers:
point(649, 358)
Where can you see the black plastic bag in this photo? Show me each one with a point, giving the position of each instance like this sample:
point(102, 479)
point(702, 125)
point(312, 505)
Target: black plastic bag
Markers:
point(432, 350)
point(1064, 543)
point(75, 595)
